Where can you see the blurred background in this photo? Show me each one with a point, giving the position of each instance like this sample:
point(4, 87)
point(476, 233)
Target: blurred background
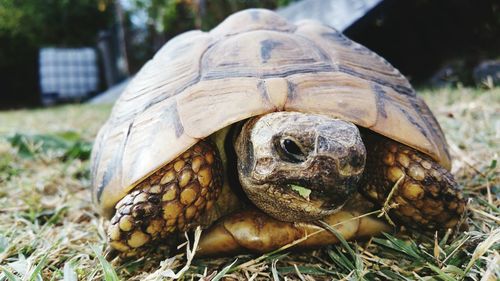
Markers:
point(59, 51)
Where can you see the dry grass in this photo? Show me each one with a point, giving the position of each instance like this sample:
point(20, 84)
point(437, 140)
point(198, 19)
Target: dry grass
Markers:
point(49, 229)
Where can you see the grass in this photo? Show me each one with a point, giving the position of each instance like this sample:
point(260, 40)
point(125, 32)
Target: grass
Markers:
point(49, 229)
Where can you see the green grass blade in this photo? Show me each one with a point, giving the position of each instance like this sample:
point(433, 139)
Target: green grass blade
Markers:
point(274, 271)
point(69, 273)
point(454, 269)
point(390, 275)
point(411, 250)
point(487, 204)
point(303, 269)
point(339, 236)
point(108, 270)
point(36, 274)
point(9, 275)
point(341, 260)
point(357, 266)
point(4, 243)
point(441, 273)
point(224, 271)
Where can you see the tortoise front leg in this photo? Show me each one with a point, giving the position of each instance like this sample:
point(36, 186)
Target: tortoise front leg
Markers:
point(172, 199)
point(426, 194)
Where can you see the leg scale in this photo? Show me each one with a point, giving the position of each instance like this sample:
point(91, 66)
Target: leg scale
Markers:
point(427, 195)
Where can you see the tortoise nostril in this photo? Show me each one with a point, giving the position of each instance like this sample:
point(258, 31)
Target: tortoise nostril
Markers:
point(291, 151)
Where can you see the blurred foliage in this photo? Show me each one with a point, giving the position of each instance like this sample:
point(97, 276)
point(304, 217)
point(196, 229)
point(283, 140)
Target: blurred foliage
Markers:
point(51, 22)
point(64, 145)
point(27, 25)
point(167, 18)
point(174, 16)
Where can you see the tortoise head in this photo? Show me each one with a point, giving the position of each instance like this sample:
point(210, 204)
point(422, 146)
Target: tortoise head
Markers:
point(299, 167)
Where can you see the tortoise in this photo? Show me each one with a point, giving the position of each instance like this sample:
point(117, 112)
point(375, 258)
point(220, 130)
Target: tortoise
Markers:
point(259, 128)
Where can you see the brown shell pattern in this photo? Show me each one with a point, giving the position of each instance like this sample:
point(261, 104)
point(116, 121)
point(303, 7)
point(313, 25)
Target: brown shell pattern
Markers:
point(253, 63)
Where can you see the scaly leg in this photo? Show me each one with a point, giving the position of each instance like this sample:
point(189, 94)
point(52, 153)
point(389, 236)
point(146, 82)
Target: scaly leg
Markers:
point(172, 199)
point(426, 194)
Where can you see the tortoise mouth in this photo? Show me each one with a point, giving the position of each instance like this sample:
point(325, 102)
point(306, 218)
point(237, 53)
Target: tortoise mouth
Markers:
point(306, 194)
point(297, 200)
point(323, 195)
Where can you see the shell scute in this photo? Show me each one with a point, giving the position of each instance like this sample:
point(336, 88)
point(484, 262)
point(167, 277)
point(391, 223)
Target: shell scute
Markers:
point(252, 19)
point(262, 54)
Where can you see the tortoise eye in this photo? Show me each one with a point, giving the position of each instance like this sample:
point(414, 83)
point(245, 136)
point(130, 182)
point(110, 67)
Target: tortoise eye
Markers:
point(291, 151)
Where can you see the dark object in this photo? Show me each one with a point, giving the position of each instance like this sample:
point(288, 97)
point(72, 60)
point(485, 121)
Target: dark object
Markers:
point(419, 37)
point(487, 73)
point(450, 75)
point(108, 60)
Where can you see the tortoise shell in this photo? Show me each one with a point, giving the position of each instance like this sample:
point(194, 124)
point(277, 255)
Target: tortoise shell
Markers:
point(253, 63)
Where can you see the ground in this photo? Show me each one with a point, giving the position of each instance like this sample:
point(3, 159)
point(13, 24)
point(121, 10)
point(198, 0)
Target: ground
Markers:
point(49, 229)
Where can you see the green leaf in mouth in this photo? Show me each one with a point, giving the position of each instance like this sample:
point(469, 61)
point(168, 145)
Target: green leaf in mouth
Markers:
point(302, 191)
